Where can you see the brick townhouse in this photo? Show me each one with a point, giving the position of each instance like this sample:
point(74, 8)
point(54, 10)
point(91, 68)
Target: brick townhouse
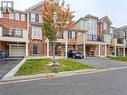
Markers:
point(21, 35)
point(99, 39)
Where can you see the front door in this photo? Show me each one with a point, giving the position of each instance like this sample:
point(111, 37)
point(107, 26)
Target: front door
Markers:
point(36, 49)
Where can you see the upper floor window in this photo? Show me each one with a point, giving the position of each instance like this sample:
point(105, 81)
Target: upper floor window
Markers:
point(71, 35)
point(1, 15)
point(11, 16)
point(105, 26)
point(18, 32)
point(17, 16)
point(22, 17)
point(33, 17)
point(40, 19)
point(36, 31)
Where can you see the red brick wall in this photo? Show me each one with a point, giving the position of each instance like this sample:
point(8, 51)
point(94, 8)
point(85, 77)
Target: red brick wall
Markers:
point(71, 42)
point(41, 44)
point(38, 9)
point(8, 23)
point(3, 46)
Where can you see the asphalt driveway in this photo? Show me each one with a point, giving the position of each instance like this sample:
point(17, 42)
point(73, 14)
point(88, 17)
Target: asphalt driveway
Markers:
point(101, 63)
point(6, 65)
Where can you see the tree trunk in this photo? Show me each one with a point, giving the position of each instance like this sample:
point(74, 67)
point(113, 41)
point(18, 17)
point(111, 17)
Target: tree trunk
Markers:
point(53, 48)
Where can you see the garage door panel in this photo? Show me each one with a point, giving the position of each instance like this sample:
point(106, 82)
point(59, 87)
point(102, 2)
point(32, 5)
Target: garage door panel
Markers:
point(17, 51)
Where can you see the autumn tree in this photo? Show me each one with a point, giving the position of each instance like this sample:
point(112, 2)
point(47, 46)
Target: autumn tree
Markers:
point(57, 17)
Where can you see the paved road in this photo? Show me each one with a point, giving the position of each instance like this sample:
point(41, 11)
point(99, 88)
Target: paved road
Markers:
point(6, 65)
point(105, 83)
point(101, 62)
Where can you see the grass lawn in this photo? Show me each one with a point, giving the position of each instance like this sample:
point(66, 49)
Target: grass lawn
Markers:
point(124, 59)
point(37, 66)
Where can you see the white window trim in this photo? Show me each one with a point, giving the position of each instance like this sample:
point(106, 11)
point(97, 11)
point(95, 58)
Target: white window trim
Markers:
point(11, 16)
point(17, 16)
point(40, 18)
point(33, 17)
point(38, 34)
point(23, 17)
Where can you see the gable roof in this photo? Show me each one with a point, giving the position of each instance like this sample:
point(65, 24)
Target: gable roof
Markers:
point(91, 16)
point(35, 6)
point(107, 18)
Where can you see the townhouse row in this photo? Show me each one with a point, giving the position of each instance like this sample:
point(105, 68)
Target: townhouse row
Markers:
point(21, 36)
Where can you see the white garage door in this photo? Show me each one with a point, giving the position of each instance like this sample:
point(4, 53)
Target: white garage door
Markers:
point(16, 51)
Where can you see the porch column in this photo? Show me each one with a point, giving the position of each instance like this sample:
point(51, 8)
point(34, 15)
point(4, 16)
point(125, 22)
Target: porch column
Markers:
point(84, 46)
point(115, 51)
point(66, 46)
point(27, 49)
point(99, 51)
point(124, 49)
point(66, 43)
point(47, 48)
point(105, 50)
point(115, 48)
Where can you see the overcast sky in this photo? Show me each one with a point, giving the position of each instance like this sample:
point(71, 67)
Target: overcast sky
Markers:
point(115, 9)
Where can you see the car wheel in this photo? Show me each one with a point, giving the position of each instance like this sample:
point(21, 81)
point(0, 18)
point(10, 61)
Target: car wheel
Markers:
point(73, 56)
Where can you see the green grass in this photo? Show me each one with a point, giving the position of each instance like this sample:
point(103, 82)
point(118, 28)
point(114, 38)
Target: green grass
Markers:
point(123, 59)
point(37, 66)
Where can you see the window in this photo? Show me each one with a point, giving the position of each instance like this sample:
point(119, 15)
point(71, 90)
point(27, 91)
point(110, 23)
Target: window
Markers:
point(40, 19)
point(17, 16)
point(36, 49)
point(73, 34)
point(18, 32)
point(1, 15)
point(69, 34)
point(37, 17)
point(105, 26)
point(11, 16)
point(22, 17)
point(32, 17)
point(36, 31)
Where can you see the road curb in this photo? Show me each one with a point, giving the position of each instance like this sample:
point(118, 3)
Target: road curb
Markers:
point(47, 75)
point(56, 75)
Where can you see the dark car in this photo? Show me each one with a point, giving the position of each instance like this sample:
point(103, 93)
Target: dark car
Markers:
point(75, 54)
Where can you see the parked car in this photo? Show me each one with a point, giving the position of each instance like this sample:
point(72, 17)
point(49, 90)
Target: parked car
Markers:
point(75, 54)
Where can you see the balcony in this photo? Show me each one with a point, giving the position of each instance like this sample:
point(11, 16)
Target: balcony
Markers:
point(91, 37)
point(120, 41)
point(13, 35)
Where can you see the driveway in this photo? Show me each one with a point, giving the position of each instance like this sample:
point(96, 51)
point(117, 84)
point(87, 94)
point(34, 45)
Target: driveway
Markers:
point(6, 65)
point(101, 63)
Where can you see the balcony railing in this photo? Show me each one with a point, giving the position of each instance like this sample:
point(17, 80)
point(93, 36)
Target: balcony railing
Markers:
point(12, 33)
point(120, 41)
point(91, 37)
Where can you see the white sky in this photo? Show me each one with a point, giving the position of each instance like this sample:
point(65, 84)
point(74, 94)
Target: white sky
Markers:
point(115, 9)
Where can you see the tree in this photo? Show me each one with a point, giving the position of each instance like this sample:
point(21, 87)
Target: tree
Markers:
point(56, 18)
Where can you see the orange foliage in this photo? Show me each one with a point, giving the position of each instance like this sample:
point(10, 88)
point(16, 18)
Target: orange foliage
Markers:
point(59, 16)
